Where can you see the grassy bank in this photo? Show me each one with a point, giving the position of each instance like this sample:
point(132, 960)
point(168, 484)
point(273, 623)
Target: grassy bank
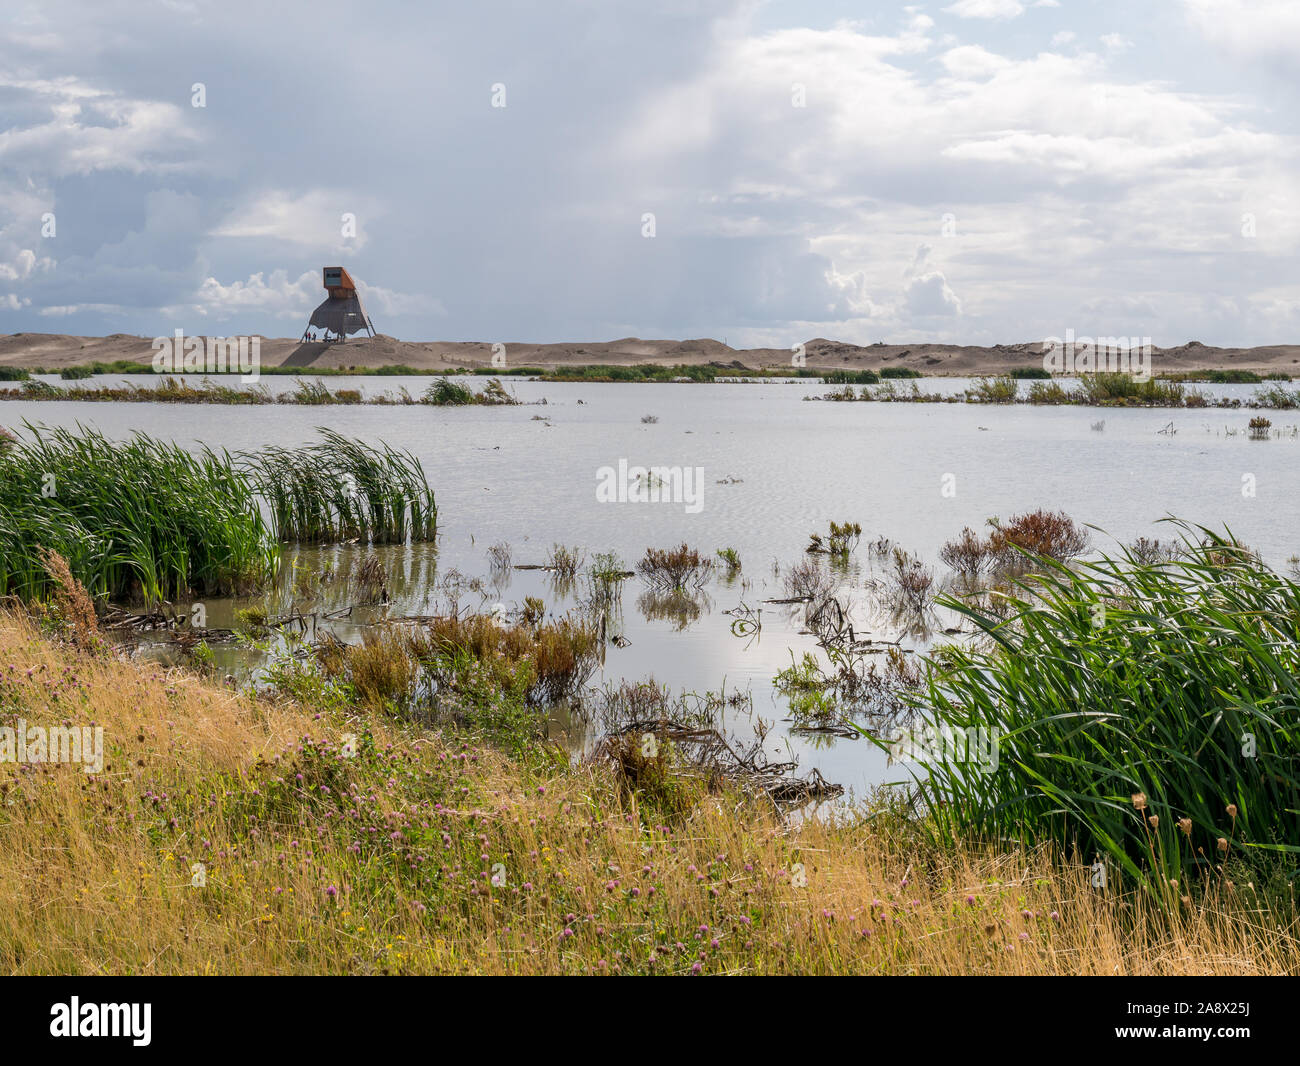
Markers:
point(336, 841)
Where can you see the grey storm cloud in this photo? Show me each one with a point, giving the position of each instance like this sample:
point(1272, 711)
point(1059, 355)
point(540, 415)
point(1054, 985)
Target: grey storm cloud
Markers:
point(792, 162)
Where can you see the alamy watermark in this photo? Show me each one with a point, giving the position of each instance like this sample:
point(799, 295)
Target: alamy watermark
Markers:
point(77, 1019)
point(651, 484)
point(179, 354)
point(1095, 355)
point(39, 744)
point(930, 744)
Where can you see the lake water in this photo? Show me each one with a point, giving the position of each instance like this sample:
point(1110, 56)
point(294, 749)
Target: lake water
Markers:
point(775, 469)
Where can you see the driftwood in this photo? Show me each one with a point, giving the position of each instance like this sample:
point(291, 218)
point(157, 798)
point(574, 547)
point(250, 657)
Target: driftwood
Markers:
point(708, 754)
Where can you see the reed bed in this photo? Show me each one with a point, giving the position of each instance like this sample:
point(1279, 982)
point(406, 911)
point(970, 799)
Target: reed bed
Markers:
point(309, 392)
point(140, 518)
point(1145, 711)
point(447, 393)
point(542, 662)
point(340, 489)
point(145, 519)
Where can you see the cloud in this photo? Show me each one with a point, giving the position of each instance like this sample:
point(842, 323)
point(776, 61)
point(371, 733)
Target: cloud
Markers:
point(986, 9)
point(972, 61)
point(277, 295)
point(926, 292)
point(793, 170)
point(80, 128)
point(22, 265)
point(63, 310)
point(930, 295)
point(314, 219)
point(1249, 28)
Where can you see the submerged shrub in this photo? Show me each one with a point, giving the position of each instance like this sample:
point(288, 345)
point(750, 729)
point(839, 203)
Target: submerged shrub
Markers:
point(911, 585)
point(1046, 534)
point(447, 393)
point(993, 390)
point(841, 540)
point(675, 568)
point(565, 561)
point(731, 560)
point(1146, 551)
point(1119, 388)
point(481, 656)
point(807, 580)
point(969, 554)
point(1277, 397)
point(444, 392)
point(1014, 545)
point(1050, 392)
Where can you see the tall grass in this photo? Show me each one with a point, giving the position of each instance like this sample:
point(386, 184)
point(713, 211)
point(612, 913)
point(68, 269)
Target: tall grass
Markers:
point(1176, 680)
point(1278, 397)
point(850, 377)
point(993, 390)
point(340, 489)
point(141, 518)
point(148, 519)
point(600, 878)
point(1117, 388)
point(447, 393)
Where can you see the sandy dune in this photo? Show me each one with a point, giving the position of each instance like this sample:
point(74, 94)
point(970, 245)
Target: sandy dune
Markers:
point(54, 350)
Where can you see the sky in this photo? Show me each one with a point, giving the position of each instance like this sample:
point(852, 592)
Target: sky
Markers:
point(974, 171)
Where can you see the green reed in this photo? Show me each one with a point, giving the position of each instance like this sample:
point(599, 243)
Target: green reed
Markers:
point(1178, 680)
point(151, 520)
point(139, 518)
point(340, 489)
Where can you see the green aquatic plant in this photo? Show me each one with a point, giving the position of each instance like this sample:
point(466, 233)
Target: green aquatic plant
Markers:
point(447, 393)
point(1177, 680)
point(340, 489)
point(850, 377)
point(1277, 397)
point(153, 520)
point(839, 543)
point(731, 560)
point(140, 518)
point(993, 390)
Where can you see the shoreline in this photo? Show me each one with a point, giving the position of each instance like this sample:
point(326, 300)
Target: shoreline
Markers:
point(1106, 391)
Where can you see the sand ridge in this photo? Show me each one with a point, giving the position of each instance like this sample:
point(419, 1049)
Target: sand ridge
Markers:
point(57, 350)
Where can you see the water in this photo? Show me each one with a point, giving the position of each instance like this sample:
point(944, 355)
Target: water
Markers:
point(915, 473)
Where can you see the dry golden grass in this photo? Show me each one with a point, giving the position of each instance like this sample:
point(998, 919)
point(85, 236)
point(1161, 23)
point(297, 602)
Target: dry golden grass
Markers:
point(95, 871)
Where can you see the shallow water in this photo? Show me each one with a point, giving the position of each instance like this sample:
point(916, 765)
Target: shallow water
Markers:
point(527, 476)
